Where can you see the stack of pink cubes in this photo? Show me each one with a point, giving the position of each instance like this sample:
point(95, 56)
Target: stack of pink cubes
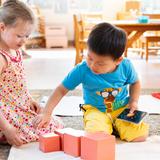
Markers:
point(88, 146)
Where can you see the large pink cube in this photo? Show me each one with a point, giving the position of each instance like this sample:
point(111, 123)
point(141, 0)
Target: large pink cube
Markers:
point(98, 146)
point(49, 142)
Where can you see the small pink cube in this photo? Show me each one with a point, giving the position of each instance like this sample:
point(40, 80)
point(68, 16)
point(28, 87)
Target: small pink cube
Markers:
point(49, 142)
point(61, 132)
point(72, 142)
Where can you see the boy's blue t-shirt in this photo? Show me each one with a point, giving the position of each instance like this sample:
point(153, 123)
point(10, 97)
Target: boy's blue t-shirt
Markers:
point(102, 90)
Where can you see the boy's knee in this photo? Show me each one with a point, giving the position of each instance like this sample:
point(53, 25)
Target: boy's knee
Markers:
point(132, 132)
point(140, 139)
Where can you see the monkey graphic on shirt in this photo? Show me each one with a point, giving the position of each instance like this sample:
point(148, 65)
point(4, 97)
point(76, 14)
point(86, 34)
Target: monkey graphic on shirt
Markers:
point(109, 95)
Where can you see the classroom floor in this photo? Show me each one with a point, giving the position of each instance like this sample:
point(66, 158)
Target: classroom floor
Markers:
point(47, 68)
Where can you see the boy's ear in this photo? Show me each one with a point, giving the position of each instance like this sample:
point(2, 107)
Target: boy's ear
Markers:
point(119, 60)
point(2, 26)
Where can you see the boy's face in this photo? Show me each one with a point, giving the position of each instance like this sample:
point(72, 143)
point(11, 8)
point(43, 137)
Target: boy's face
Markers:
point(101, 64)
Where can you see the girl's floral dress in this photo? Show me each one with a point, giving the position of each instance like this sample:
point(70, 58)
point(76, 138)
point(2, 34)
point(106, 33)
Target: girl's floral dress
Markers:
point(15, 100)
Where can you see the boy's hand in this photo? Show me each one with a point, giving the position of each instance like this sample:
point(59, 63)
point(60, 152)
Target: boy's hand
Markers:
point(12, 136)
point(41, 121)
point(133, 105)
point(35, 107)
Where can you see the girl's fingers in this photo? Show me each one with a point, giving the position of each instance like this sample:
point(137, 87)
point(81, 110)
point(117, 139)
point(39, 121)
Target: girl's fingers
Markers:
point(32, 107)
point(46, 124)
point(15, 141)
point(36, 122)
point(18, 142)
point(37, 108)
point(41, 125)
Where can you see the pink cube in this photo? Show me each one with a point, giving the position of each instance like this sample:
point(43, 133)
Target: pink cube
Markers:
point(98, 146)
point(61, 132)
point(49, 142)
point(72, 142)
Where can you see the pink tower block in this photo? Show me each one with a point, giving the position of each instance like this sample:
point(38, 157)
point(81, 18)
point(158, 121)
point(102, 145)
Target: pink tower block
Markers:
point(72, 142)
point(98, 146)
point(49, 142)
point(61, 132)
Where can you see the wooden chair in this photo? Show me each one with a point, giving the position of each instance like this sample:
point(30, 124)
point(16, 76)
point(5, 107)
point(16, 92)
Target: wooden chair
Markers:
point(80, 42)
point(150, 37)
point(89, 21)
point(83, 25)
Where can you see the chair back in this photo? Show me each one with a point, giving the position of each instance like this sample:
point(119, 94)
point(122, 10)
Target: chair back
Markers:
point(89, 21)
point(83, 24)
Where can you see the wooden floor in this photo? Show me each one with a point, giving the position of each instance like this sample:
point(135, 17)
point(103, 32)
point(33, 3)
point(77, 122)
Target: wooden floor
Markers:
point(149, 72)
point(47, 68)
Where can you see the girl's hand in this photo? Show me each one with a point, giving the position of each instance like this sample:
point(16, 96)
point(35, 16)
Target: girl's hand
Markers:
point(41, 121)
point(35, 107)
point(12, 136)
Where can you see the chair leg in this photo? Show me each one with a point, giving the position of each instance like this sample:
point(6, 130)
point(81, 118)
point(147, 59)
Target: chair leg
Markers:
point(146, 50)
point(77, 54)
point(125, 52)
point(142, 50)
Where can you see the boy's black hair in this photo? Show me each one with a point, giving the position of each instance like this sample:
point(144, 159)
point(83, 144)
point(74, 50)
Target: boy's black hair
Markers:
point(107, 40)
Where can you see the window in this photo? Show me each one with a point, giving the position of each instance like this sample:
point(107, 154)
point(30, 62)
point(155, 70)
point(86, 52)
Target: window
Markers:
point(65, 6)
point(150, 6)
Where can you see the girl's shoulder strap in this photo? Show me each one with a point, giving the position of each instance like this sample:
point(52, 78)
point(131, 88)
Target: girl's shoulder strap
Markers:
point(4, 55)
point(16, 58)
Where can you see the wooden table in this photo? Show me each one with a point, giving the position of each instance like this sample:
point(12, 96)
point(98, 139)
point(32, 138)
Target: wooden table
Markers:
point(135, 30)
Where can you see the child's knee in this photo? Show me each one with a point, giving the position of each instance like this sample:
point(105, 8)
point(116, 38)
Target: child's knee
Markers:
point(140, 139)
point(132, 132)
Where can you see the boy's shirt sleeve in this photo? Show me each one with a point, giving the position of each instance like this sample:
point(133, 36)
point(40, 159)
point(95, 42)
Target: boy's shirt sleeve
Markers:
point(74, 78)
point(131, 73)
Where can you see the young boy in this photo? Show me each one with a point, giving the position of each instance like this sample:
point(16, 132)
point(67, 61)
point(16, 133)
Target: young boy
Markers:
point(105, 77)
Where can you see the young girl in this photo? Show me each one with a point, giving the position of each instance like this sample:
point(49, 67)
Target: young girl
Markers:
point(17, 108)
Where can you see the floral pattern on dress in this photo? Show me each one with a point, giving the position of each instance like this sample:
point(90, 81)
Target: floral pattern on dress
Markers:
point(15, 101)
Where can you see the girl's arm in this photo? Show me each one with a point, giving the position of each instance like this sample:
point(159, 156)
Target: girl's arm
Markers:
point(3, 123)
point(3, 63)
point(10, 132)
point(134, 91)
point(43, 119)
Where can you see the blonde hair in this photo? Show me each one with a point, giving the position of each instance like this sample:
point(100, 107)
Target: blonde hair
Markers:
point(12, 10)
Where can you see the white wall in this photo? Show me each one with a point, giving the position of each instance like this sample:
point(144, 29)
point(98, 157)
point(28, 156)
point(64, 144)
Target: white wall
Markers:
point(110, 8)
